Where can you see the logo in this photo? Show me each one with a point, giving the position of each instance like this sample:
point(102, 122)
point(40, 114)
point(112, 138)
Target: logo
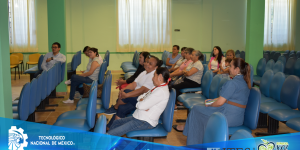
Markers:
point(271, 145)
point(17, 139)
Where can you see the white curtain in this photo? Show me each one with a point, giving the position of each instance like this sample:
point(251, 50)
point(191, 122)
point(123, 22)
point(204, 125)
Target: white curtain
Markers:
point(279, 27)
point(144, 25)
point(22, 26)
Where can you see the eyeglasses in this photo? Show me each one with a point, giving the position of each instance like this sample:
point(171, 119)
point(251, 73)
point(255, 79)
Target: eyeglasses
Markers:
point(54, 47)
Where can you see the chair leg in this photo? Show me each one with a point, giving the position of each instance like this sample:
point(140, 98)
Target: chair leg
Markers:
point(19, 72)
point(15, 73)
point(262, 121)
point(273, 126)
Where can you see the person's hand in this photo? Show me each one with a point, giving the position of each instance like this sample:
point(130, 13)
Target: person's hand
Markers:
point(219, 72)
point(124, 95)
point(205, 103)
point(147, 110)
point(49, 59)
point(82, 71)
point(117, 82)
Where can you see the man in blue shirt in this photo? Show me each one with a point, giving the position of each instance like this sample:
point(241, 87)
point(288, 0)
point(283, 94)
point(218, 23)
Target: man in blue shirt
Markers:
point(51, 58)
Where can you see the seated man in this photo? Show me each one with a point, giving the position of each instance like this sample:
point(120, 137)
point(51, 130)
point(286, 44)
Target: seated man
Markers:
point(51, 58)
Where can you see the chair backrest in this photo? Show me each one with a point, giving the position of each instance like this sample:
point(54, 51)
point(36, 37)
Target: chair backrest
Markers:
point(49, 81)
point(292, 51)
point(252, 109)
point(73, 63)
point(214, 86)
point(34, 57)
point(205, 84)
point(44, 85)
point(297, 68)
point(269, 65)
point(102, 72)
point(241, 134)
point(216, 129)
point(266, 56)
point(92, 104)
point(282, 59)
point(205, 68)
point(14, 60)
point(289, 66)
point(33, 95)
point(105, 96)
point(251, 74)
point(223, 81)
point(287, 51)
point(278, 67)
point(243, 55)
point(276, 85)
point(39, 89)
point(293, 55)
point(298, 54)
point(134, 57)
point(136, 62)
point(167, 115)
point(238, 55)
point(40, 62)
point(63, 67)
point(204, 59)
point(237, 52)
point(260, 68)
point(265, 83)
point(108, 55)
point(276, 56)
point(23, 106)
point(100, 126)
point(21, 57)
point(79, 55)
point(267, 52)
point(290, 91)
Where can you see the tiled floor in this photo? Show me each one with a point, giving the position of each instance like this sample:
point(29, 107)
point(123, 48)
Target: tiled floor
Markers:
point(173, 138)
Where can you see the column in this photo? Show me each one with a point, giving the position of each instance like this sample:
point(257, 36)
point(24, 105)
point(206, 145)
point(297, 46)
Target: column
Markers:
point(5, 78)
point(57, 31)
point(255, 31)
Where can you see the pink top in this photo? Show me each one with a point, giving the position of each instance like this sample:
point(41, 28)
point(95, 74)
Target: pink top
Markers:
point(184, 65)
point(212, 58)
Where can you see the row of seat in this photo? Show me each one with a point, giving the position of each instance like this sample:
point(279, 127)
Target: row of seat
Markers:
point(35, 95)
point(240, 54)
point(279, 98)
point(287, 54)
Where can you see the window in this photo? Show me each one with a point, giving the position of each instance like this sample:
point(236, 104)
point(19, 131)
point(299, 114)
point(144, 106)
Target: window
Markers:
point(144, 25)
point(22, 26)
point(279, 26)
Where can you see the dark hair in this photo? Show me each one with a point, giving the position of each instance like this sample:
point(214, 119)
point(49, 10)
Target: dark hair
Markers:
point(56, 43)
point(165, 74)
point(220, 55)
point(85, 48)
point(198, 53)
point(158, 62)
point(183, 48)
point(189, 50)
point(228, 60)
point(145, 54)
point(95, 50)
point(176, 47)
point(244, 69)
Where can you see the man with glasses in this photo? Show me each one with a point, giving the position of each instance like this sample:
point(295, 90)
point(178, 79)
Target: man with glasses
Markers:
point(51, 58)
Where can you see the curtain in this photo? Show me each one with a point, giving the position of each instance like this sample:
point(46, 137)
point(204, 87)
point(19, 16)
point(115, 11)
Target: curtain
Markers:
point(22, 25)
point(279, 27)
point(144, 25)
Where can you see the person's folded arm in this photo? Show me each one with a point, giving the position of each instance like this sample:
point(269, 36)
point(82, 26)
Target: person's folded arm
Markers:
point(94, 66)
point(151, 100)
point(136, 92)
point(191, 72)
point(44, 63)
point(130, 86)
point(61, 58)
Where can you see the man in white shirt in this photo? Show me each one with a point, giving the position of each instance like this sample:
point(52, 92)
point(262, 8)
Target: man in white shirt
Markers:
point(51, 58)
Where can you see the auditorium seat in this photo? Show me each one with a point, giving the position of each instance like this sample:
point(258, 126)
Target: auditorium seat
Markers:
point(260, 70)
point(283, 60)
point(297, 68)
point(100, 126)
point(241, 134)
point(23, 105)
point(216, 129)
point(289, 66)
point(278, 67)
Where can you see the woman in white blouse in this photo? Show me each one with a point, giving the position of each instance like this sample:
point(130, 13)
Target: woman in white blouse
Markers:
point(149, 107)
point(215, 60)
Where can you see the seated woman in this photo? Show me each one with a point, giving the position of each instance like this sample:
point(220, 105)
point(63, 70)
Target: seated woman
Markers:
point(231, 102)
point(229, 55)
point(172, 58)
point(214, 62)
point(140, 69)
point(179, 61)
point(128, 96)
point(179, 71)
point(192, 74)
point(89, 75)
point(225, 70)
point(149, 107)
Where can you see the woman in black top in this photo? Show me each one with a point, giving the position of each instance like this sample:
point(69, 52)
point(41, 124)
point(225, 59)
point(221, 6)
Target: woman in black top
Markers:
point(142, 58)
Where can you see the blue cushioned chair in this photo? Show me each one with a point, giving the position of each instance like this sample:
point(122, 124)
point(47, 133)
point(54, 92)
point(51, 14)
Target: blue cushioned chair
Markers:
point(128, 62)
point(241, 134)
point(293, 55)
point(283, 60)
point(107, 56)
point(289, 66)
point(223, 81)
point(105, 98)
point(243, 55)
point(100, 75)
point(212, 94)
point(278, 67)
point(266, 56)
point(265, 83)
point(260, 70)
point(186, 90)
point(32, 97)
point(204, 59)
point(291, 100)
point(298, 54)
point(216, 129)
point(161, 130)
point(272, 54)
point(237, 52)
point(78, 114)
point(288, 96)
point(294, 123)
point(131, 67)
point(23, 105)
point(128, 75)
point(276, 56)
point(274, 89)
point(297, 68)
point(251, 112)
point(238, 55)
point(40, 62)
point(286, 56)
point(100, 126)
point(83, 124)
point(205, 84)
point(269, 65)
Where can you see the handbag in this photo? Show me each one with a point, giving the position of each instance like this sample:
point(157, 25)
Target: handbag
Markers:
point(180, 80)
point(87, 88)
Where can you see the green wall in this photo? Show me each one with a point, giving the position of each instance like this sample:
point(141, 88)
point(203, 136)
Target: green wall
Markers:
point(202, 23)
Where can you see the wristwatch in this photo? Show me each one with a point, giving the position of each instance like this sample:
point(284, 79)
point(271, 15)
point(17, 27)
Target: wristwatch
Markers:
point(51, 58)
